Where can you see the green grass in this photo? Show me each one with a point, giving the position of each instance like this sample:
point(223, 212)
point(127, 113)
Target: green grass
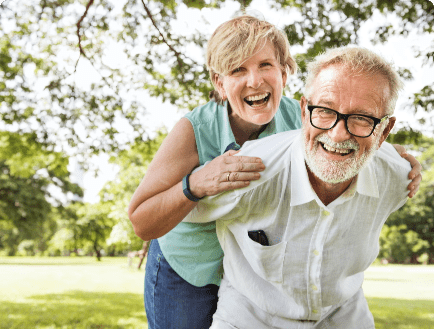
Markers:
point(79, 293)
point(70, 292)
point(401, 296)
point(401, 313)
point(75, 309)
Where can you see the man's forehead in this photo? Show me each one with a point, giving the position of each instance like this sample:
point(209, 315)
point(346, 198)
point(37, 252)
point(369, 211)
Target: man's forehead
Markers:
point(337, 87)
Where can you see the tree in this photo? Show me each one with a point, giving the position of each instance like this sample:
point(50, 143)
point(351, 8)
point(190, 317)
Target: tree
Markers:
point(39, 94)
point(315, 25)
point(53, 38)
point(83, 226)
point(30, 179)
point(105, 225)
point(116, 195)
point(44, 45)
point(93, 227)
point(417, 214)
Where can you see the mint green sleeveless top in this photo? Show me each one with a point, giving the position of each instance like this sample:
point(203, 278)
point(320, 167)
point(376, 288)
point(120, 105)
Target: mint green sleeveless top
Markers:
point(192, 249)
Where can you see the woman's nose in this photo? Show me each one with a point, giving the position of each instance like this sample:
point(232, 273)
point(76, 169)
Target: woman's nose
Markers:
point(254, 79)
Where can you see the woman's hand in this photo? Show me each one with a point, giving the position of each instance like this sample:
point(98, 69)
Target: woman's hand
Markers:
point(224, 173)
point(415, 174)
point(159, 204)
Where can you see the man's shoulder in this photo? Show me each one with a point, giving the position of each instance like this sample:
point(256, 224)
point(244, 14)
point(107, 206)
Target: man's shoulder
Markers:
point(391, 170)
point(281, 141)
point(275, 152)
point(389, 157)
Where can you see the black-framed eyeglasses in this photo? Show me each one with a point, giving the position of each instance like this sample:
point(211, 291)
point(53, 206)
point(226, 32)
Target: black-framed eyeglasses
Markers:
point(358, 125)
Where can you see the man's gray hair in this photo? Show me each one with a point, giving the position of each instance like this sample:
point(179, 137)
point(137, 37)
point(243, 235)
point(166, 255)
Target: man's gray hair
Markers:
point(360, 61)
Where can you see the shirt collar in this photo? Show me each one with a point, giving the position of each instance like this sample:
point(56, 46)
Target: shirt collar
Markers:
point(302, 191)
point(367, 181)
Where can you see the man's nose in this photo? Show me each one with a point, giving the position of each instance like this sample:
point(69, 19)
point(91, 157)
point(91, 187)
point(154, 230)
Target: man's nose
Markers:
point(254, 79)
point(339, 133)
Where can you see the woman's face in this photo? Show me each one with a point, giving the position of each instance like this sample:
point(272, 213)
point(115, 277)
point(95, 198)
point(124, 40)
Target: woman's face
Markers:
point(255, 88)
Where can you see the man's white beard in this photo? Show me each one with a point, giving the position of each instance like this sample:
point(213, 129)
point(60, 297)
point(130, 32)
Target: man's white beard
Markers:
point(334, 171)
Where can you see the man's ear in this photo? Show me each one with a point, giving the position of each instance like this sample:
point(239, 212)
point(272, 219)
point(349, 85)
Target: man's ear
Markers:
point(303, 104)
point(218, 84)
point(387, 130)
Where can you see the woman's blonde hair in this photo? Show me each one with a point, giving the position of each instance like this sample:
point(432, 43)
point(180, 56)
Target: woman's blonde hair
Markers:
point(235, 41)
point(359, 61)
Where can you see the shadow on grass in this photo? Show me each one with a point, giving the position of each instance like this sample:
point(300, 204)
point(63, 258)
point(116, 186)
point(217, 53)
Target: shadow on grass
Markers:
point(76, 309)
point(400, 314)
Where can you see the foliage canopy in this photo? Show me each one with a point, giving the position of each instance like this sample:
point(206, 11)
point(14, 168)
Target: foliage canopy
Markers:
point(49, 112)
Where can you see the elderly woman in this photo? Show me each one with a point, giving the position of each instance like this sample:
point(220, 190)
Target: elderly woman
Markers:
point(249, 61)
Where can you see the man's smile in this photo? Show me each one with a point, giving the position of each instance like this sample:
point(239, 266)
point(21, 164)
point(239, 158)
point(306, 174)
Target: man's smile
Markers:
point(337, 151)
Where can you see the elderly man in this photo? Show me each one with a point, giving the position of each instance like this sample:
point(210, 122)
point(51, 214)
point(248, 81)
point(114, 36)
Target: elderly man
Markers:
point(298, 240)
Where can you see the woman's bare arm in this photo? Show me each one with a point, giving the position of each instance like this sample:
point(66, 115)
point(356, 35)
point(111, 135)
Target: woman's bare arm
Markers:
point(159, 203)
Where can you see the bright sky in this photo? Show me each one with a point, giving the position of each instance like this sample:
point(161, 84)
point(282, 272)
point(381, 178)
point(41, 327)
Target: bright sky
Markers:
point(398, 49)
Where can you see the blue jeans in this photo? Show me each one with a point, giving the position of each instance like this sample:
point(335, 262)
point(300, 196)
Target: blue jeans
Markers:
point(170, 301)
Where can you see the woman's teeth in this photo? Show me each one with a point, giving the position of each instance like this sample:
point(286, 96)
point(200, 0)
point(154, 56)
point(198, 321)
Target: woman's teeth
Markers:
point(332, 149)
point(257, 100)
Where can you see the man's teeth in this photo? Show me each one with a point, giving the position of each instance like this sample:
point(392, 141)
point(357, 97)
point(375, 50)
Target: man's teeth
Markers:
point(256, 98)
point(332, 149)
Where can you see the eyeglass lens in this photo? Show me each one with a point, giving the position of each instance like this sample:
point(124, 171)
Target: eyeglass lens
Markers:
point(357, 125)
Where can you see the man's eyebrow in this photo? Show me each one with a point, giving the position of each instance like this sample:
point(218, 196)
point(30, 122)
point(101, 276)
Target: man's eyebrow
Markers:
point(330, 104)
point(326, 103)
point(364, 112)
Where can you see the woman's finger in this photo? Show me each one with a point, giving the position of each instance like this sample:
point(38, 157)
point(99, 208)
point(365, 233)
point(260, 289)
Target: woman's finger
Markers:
point(246, 164)
point(230, 152)
point(239, 176)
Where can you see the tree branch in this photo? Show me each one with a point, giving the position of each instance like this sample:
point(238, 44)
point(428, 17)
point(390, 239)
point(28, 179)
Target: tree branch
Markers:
point(79, 26)
point(177, 54)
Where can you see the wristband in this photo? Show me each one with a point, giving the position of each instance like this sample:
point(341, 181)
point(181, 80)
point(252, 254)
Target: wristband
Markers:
point(186, 189)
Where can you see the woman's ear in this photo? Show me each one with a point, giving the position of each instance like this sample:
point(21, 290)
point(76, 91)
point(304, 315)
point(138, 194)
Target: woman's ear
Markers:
point(284, 78)
point(218, 84)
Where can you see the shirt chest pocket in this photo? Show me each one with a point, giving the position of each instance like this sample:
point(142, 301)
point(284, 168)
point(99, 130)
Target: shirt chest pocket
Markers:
point(266, 261)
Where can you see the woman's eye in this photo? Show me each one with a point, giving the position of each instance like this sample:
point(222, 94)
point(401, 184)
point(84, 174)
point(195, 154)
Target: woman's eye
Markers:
point(265, 64)
point(238, 69)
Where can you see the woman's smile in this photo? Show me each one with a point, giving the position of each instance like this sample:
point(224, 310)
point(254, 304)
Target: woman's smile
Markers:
point(258, 100)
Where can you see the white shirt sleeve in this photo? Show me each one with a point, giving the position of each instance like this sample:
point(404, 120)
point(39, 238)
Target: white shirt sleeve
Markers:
point(397, 168)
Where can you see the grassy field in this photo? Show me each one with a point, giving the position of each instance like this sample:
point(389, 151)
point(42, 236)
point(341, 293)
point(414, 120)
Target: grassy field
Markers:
point(401, 296)
point(70, 293)
point(82, 293)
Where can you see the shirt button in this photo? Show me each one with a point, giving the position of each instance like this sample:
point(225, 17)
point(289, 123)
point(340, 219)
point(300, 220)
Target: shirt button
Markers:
point(314, 287)
point(316, 252)
point(315, 311)
point(325, 213)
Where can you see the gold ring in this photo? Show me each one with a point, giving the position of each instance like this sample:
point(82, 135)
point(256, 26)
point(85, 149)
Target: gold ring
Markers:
point(227, 177)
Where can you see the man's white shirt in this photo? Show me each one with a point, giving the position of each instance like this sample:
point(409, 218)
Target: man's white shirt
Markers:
point(317, 254)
